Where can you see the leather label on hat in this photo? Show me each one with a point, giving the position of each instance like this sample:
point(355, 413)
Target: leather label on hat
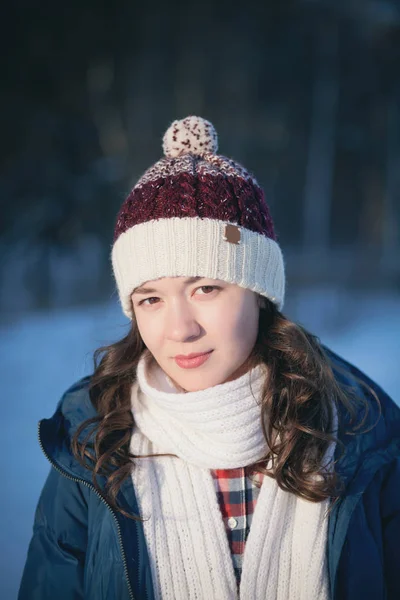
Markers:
point(232, 234)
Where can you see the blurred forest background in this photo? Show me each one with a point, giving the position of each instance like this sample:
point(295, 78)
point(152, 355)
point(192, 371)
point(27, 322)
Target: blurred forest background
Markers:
point(305, 93)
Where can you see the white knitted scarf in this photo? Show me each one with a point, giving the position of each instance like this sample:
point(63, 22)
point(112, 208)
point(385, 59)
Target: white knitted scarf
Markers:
point(217, 428)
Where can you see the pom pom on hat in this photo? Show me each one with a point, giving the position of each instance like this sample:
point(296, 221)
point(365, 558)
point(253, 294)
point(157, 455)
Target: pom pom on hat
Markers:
point(192, 135)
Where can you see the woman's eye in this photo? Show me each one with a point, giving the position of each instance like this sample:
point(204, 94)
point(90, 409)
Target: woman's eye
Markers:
point(146, 299)
point(210, 289)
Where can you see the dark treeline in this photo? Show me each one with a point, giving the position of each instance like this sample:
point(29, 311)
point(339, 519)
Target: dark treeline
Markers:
point(305, 93)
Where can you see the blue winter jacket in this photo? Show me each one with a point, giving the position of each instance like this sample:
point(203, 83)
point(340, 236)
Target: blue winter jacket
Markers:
point(81, 548)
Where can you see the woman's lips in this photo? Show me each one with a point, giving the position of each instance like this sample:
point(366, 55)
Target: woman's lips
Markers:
point(192, 363)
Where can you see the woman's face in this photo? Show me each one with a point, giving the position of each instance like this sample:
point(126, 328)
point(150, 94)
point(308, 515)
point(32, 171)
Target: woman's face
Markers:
point(181, 316)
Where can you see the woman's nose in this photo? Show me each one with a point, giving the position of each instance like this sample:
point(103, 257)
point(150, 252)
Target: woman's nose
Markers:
point(181, 323)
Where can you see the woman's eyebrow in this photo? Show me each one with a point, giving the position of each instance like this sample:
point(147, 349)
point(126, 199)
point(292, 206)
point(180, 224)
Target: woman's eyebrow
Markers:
point(148, 290)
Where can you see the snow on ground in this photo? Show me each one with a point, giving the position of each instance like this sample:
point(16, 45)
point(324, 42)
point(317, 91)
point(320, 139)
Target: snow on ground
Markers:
point(42, 354)
point(365, 330)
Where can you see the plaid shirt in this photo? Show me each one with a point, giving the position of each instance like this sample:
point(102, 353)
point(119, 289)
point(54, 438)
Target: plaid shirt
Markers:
point(237, 496)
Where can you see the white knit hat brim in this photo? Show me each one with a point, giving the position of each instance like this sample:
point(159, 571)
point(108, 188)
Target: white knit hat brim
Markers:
point(192, 246)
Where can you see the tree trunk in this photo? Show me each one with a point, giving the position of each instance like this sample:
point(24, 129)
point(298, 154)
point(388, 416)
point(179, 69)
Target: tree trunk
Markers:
point(321, 149)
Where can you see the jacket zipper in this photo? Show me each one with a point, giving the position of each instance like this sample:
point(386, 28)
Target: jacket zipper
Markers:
point(91, 486)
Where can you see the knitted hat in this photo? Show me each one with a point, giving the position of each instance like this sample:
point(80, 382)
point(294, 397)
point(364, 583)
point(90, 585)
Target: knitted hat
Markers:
point(196, 213)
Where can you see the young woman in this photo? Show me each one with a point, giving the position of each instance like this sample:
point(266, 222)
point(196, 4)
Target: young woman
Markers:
point(219, 450)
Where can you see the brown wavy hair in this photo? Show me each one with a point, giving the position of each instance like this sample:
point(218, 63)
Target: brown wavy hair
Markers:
point(297, 410)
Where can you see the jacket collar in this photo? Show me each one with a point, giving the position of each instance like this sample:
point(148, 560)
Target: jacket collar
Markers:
point(56, 433)
point(379, 435)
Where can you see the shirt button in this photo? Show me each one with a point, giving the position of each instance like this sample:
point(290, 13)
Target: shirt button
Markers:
point(232, 522)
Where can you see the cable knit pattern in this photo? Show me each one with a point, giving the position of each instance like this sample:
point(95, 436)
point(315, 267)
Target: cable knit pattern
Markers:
point(218, 427)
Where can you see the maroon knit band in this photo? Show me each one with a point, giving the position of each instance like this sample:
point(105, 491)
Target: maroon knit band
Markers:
point(218, 197)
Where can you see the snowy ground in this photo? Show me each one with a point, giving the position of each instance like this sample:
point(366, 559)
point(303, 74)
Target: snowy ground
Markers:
point(41, 355)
